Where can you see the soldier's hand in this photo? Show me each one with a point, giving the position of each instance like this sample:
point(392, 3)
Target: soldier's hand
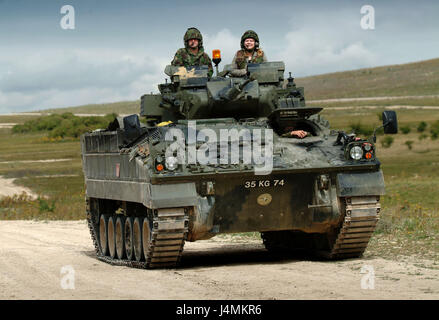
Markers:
point(299, 134)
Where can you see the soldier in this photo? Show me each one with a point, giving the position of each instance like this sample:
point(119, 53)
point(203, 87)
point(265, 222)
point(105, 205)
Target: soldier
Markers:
point(193, 52)
point(250, 52)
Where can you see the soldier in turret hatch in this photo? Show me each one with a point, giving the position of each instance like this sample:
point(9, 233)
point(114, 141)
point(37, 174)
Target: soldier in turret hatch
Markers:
point(249, 53)
point(193, 52)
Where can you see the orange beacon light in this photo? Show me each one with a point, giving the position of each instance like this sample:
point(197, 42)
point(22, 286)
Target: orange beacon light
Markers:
point(216, 58)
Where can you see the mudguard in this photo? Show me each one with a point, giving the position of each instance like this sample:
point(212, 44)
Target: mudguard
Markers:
point(360, 184)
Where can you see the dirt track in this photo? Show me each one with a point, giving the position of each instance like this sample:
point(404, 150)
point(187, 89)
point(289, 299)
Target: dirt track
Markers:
point(33, 253)
point(8, 189)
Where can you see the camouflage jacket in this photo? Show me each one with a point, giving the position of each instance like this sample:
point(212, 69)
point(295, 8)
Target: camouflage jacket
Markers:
point(240, 60)
point(183, 57)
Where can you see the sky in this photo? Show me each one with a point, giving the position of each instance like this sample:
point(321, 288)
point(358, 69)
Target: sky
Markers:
point(118, 50)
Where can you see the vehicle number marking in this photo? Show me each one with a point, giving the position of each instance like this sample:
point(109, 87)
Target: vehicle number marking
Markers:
point(264, 183)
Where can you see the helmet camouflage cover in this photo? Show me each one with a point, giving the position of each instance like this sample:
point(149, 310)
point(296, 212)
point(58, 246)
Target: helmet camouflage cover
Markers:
point(193, 33)
point(250, 34)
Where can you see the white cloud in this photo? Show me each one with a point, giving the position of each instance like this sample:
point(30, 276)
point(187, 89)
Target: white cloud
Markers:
point(60, 78)
point(325, 43)
point(51, 78)
point(226, 42)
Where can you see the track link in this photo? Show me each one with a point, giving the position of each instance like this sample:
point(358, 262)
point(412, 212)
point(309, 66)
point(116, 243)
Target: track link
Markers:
point(169, 229)
point(169, 232)
point(360, 219)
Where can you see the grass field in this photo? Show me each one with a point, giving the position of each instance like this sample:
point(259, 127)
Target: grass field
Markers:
point(63, 195)
point(410, 217)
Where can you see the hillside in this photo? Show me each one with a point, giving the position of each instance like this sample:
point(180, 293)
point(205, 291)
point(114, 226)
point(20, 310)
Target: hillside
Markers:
point(411, 79)
point(122, 107)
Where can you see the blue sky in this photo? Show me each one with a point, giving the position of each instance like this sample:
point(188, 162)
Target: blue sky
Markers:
point(118, 49)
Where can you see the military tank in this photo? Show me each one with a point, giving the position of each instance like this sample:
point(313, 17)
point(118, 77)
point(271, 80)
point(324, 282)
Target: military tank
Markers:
point(152, 186)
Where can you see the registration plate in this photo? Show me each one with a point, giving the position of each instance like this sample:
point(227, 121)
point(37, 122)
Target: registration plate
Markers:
point(264, 183)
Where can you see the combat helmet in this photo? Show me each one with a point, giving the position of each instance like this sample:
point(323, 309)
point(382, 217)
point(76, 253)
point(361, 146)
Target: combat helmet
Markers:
point(250, 34)
point(193, 33)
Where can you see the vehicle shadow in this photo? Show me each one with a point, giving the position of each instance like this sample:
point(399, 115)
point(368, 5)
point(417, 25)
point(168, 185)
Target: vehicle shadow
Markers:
point(240, 254)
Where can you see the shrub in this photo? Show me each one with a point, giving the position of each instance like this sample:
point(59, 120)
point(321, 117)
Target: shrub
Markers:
point(422, 136)
point(434, 130)
point(64, 125)
point(409, 144)
point(360, 129)
point(422, 126)
point(405, 129)
point(387, 141)
point(44, 205)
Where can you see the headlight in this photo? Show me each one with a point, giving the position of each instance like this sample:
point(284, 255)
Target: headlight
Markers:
point(367, 146)
point(171, 163)
point(356, 153)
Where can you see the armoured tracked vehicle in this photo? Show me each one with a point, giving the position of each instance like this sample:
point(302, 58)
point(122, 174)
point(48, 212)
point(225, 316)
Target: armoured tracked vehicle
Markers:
point(146, 197)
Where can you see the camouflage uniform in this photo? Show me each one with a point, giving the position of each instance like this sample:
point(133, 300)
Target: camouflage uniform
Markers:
point(239, 63)
point(184, 57)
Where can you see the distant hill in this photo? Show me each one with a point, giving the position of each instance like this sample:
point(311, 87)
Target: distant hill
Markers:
point(122, 107)
point(411, 79)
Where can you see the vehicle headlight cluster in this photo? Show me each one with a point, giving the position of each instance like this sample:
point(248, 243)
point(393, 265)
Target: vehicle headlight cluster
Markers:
point(361, 151)
point(169, 163)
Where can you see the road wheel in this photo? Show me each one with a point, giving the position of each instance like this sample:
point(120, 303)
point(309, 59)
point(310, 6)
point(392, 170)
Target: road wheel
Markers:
point(137, 238)
point(103, 235)
point(128, 235)
point(119, 236)
point(146, 236)
point(111, 237)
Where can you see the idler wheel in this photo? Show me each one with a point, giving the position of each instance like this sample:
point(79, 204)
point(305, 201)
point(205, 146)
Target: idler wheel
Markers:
point(103, 235)
point(119, 236)
point(146, 236)
point(137, 238)
point(128, 235)
point(111, 237)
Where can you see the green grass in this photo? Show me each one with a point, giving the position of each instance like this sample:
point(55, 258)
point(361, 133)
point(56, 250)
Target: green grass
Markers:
point(66, 194)
point(15, 118)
